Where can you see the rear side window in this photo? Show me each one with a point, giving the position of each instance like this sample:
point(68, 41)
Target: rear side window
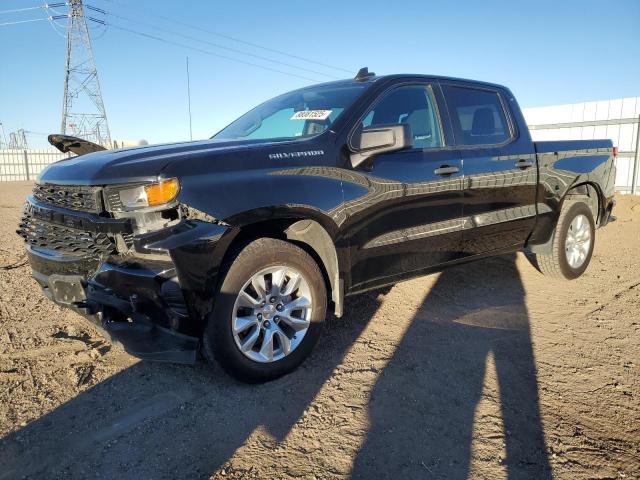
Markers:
point(413, 105)
point(477, 116)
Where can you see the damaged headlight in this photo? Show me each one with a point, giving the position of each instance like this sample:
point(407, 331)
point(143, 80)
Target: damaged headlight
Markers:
point(151, 206)
point(139, 197)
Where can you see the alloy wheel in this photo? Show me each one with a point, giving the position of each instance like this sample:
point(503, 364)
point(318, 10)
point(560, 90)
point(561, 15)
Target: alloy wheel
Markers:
point(272, 314)
point(578, 241)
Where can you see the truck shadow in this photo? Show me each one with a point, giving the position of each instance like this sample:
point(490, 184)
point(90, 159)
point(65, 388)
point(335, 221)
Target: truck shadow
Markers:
point(167, 421)
point(421, 425)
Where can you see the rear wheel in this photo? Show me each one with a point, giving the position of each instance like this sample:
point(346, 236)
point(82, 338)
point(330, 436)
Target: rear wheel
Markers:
point(572, 243)
point(269, 312)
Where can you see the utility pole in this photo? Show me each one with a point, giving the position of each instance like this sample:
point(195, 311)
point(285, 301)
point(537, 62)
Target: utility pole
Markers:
point(636, 160)
point(83, 113)
point(189, 100)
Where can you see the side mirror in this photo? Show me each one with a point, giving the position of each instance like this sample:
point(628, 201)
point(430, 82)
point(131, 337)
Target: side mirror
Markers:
point(373, 141)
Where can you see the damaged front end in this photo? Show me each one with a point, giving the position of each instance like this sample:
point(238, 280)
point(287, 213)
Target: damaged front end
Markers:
point(130, 258)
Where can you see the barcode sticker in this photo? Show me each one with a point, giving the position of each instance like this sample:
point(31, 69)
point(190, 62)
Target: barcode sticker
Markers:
point(311, 115)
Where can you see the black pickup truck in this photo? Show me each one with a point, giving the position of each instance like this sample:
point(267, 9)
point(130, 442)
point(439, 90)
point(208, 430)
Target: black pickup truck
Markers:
point(237, 245)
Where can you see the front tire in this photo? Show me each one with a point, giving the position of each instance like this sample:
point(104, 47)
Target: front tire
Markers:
point(268, 313)
point(572, 243)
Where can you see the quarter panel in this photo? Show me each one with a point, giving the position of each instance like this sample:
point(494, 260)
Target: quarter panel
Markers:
point(561, 169)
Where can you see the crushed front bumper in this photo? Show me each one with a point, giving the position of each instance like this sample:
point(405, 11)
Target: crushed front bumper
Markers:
point(137, 305)
point(153, 300)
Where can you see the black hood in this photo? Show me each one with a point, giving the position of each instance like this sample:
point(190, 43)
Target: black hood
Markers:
point(147, 163)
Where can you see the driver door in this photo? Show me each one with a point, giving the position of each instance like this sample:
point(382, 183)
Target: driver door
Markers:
point(404, 209)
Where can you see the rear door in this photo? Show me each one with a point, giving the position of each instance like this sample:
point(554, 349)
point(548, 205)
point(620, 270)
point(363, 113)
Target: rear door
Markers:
point(499, 166)
point(404, 209)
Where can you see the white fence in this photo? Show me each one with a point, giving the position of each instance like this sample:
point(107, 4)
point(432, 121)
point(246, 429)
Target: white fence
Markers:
point(26, 164)
point(617, 119)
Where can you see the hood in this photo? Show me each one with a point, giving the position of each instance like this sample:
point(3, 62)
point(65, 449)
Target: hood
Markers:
point(79, 146)
point(140, 164)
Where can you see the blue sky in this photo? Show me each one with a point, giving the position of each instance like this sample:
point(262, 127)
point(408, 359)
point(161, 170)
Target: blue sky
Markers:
point(547, 52)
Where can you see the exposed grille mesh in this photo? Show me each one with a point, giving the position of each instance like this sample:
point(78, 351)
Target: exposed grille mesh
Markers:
point(73, 197)
point(128, 239)
point(112, 198)
point(63, 239)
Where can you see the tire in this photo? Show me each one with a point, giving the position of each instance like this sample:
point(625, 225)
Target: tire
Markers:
point(264, 259)
point(557, 263)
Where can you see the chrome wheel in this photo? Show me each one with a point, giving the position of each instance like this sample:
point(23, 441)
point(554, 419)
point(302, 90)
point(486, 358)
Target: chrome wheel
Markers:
point(578, 241)
point(272, 314)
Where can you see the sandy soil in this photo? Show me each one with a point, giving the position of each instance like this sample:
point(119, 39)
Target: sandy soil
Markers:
point(488, 370)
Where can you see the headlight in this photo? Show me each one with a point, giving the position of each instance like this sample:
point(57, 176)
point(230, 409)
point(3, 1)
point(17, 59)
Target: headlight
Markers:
point(144, 196)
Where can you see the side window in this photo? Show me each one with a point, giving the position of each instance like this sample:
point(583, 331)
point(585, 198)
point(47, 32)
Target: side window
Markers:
point(413, 104)
point(477, 116)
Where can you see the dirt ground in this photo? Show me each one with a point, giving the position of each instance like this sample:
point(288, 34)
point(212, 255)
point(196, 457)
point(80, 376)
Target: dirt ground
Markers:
point(486, 371)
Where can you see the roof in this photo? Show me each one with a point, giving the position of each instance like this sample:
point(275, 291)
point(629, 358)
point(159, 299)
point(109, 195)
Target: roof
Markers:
point(412, 76)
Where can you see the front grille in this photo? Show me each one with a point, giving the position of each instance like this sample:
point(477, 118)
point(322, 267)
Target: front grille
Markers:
point(73, 197)
point(64, 240)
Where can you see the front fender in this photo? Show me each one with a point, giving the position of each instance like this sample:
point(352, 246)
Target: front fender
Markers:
point(241, 197)
point(197, 249)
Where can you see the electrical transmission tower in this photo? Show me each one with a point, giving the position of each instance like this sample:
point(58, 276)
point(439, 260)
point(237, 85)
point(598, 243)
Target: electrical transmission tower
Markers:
point(18, 140)
point(3, 138)
point(83, 113)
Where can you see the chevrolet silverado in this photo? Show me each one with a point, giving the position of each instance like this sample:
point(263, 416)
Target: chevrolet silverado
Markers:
point(236, 246)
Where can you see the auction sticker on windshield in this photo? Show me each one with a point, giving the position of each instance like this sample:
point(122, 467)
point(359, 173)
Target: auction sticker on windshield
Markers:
point(311, 115)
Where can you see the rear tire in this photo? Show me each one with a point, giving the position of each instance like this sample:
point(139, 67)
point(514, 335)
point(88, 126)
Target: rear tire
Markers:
point(572, 243)
point(246, 332)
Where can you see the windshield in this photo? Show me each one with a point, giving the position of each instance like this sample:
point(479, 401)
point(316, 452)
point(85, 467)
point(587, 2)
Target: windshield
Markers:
point(298, 114)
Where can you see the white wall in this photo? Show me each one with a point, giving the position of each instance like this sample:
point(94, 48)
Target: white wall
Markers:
point(622, 133)
point(13, 167)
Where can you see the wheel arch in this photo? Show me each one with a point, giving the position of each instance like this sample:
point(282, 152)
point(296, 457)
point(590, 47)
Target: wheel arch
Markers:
point(595, 197)
point(308, 228)
point(594, 200)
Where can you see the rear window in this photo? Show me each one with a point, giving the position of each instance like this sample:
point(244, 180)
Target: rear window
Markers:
point(477, 116)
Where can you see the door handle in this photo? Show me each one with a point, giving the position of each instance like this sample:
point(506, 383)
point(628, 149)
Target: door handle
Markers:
point(446, 170)
point(522, 163)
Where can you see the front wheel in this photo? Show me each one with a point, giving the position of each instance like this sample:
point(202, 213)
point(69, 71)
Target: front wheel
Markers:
point(269, 311)
point(572, 243)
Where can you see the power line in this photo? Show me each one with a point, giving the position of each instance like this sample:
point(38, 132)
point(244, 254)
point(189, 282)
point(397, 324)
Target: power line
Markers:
point(228, 37)
point(31, 132)
point(183, 45)
point(23, 21)
point(25, 9)
point(217, 45)
point(206, 52)
point(16, 10)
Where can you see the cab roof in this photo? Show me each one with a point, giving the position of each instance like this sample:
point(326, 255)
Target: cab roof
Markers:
point(409, 76)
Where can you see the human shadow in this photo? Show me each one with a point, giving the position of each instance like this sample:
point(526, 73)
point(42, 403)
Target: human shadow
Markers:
point(170, 421)
point(422, 407)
